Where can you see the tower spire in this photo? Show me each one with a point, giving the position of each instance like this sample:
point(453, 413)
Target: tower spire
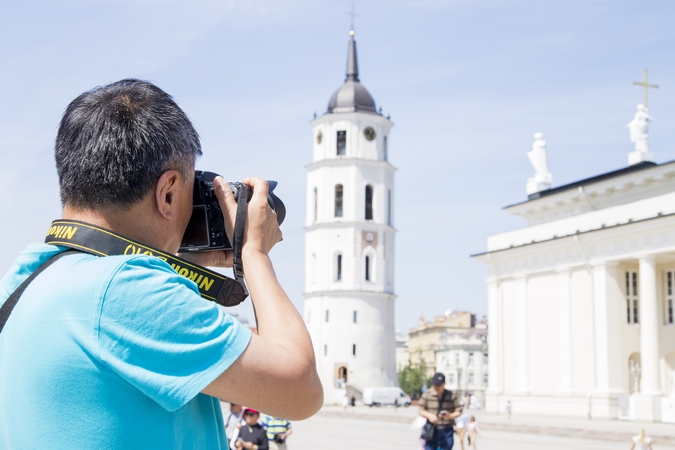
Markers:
point(352, 63)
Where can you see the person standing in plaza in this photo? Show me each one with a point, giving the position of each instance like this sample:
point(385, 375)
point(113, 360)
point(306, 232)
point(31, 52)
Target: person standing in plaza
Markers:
point(278, 431)
point(233, 419)
point(440, 407)
point(472, 431)
point(460, 426)
point(251, 435)
point(508, 409)
point(641, 441)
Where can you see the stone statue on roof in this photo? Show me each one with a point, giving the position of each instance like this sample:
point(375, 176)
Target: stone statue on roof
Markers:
point(542, 177)
point(638, 129)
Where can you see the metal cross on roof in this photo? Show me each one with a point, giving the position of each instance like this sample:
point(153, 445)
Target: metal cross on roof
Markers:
point(646, 86)
point(353, 14)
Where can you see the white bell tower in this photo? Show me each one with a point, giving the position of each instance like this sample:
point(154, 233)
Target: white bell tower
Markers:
point(349, 243)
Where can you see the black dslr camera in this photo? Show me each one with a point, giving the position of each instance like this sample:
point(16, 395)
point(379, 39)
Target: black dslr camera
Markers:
point(206, 229)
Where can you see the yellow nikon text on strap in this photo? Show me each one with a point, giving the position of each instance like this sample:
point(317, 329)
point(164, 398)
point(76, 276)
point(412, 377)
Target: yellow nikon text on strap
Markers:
point(99, 241)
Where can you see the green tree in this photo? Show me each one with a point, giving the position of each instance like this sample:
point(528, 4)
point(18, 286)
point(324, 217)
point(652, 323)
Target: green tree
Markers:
point(411, 379)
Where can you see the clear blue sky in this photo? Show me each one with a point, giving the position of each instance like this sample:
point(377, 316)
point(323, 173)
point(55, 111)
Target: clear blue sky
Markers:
point(467, 83)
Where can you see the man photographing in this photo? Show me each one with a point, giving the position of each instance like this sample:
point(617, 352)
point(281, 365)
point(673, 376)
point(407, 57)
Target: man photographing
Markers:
point(121, 351)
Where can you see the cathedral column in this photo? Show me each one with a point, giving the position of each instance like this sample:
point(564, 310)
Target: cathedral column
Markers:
point(494, 355)
point(648, 401)
point(649, 328)
point(523, 332)
point(565, 321)
point(606, 294)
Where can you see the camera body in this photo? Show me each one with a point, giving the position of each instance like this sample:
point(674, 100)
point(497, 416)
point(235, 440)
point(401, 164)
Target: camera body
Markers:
point(278, 439)
point(206, 229)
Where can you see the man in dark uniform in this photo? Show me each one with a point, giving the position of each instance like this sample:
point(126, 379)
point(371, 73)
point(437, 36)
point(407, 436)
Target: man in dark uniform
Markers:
point(440, 407)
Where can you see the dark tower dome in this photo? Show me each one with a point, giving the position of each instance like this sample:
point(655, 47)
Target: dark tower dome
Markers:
point(352, 96)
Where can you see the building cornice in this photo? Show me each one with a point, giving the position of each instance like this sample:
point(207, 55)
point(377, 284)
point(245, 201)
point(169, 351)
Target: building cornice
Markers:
point(352, 116)
point(340, 161)
point(595, 192)
point(364, 225)
point(572, 235)
point(349, 293)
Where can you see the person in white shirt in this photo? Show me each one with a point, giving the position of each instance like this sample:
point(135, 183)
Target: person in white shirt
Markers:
point(472, 431)
point(641, 441)
point(460, 426)
point(233, 419)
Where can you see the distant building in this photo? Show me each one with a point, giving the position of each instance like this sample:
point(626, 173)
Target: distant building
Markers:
point(402, 356)
point(425, 338)
point(462, 356)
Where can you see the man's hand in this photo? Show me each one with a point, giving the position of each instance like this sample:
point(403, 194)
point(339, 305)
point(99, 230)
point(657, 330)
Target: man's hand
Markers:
point(262, 229)
point(431, 417)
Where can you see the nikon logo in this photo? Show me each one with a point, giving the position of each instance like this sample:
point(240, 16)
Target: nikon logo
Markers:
point(203, 282)
point(62, 231)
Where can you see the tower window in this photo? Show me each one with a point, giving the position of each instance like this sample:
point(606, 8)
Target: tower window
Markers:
point(327, 315)
point(354, 316)
point(325, 349)
point(670, 298)
point(338, 200)
point(369, 202)
point(367, 268)
point(316, 204)
point(385, 148)
point(354, 349)
point(632, 299)
point(341, 142)
point(338, 268)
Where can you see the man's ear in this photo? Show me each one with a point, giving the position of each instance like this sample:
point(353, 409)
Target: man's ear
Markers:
point(166, 192)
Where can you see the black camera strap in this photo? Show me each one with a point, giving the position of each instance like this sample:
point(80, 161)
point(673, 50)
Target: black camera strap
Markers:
point(13, 299)
point(99, 241)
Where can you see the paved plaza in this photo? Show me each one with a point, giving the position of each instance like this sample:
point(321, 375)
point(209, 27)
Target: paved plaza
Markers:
point(364, 428)
point(384, 428)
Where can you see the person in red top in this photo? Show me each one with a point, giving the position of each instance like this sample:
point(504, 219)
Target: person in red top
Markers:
point(252, 435)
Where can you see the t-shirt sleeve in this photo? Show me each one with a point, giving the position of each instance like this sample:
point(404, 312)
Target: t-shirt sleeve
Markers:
point(158, 334)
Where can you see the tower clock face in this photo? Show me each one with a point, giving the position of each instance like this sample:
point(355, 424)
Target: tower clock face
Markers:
point(319, 137)
point(369, 133)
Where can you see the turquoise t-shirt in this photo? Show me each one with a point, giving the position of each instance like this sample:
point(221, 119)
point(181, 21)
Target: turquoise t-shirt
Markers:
point(111, 353)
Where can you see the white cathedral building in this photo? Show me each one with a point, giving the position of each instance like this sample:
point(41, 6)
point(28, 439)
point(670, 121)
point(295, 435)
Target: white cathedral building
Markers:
point(349, 243)
point(581, 300)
